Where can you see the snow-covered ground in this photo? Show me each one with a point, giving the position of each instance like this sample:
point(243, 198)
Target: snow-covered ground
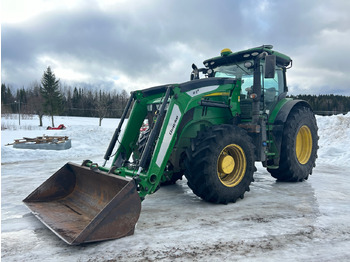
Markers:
point(306, 221)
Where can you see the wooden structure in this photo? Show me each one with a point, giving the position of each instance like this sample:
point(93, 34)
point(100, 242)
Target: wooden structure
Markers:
point(43, 142)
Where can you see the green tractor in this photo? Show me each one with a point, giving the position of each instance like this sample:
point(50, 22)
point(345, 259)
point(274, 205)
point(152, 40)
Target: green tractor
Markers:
point(211, 130)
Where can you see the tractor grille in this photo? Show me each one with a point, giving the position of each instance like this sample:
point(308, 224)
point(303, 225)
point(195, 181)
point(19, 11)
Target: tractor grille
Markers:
point(246, 108)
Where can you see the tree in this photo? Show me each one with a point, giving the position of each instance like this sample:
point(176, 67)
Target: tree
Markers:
point(102, 106)
point(51, 94)
point(124, 97)
point(7, 99)
point(36, 101)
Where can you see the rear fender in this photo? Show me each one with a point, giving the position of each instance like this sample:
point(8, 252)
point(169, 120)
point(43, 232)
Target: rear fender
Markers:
point(278, 123)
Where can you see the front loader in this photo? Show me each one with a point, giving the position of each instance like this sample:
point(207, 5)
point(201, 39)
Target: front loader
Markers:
point(211, 130)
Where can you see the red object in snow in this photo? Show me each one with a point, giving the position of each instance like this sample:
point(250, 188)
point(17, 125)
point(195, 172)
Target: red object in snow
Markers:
point(61, 126)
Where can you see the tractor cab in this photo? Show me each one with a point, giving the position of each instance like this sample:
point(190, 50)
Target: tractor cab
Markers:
point(268, 67)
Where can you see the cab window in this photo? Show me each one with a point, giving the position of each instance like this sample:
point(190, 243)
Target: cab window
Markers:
point(273, 87)
point(238, 71)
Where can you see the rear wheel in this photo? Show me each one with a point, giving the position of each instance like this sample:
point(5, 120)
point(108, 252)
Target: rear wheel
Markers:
point(299, 146)
point(220, 164)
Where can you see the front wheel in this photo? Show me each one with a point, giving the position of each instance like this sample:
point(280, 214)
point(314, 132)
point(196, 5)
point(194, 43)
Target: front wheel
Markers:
point(220, 164)
point(299, 146)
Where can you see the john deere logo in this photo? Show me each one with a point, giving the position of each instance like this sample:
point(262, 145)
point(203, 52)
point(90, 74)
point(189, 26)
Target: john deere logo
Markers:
point(174, 125)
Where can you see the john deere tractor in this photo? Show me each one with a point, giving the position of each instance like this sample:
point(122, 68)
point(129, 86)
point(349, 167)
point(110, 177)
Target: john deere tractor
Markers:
point(211, 130)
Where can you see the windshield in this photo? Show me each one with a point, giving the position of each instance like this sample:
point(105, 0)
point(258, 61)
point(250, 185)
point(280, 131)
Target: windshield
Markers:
point(233, 71)
point(271, 87)
point(238, 71)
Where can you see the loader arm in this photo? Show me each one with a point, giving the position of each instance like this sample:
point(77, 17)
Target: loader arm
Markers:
point(182, 98)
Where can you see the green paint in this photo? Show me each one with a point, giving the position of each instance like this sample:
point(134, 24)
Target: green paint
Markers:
point(184, 110)
point(277, 109)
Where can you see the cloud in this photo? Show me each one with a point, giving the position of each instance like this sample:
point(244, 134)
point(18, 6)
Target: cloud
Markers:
point(135, 44)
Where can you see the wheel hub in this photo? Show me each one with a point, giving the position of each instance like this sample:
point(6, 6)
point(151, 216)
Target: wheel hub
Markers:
point(226, 164)
point(231, 165)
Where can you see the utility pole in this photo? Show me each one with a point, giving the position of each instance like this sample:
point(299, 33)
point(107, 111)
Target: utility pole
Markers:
point(19, 111)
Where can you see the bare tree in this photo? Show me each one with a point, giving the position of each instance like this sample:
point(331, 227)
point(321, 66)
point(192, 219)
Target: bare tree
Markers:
point(103, 104)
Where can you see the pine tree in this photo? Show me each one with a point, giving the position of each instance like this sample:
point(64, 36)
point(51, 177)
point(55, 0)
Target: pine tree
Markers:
point(7, 100)
point(51, 94)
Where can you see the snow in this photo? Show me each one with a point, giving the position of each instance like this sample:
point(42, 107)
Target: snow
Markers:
point(306, 221)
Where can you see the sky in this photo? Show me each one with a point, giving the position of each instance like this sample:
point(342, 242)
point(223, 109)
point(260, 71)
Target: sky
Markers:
point(138, 44)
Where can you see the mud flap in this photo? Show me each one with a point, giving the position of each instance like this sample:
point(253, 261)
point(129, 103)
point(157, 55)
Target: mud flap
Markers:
point(81, 205)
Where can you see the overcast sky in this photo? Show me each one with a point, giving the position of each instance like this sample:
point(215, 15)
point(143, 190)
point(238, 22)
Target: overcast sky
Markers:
point(129, 44)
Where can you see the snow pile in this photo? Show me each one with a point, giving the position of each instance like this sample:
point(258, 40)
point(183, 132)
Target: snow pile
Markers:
point(334, 132)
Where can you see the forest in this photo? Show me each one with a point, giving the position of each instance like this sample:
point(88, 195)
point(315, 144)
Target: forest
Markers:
point(77, 101)
point(72, 101)
point(327, 104)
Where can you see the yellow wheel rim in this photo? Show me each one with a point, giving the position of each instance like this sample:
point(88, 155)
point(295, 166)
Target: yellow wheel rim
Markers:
point(303, 145)
point(231, 165)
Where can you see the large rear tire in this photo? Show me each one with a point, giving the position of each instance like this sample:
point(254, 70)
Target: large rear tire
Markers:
point(220, 164)
point(299, 146)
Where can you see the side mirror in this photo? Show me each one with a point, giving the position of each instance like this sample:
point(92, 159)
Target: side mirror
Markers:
point(270, 65)
point(195, 72)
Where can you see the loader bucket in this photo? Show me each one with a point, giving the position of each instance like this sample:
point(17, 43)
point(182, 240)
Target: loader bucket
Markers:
point(81, 205)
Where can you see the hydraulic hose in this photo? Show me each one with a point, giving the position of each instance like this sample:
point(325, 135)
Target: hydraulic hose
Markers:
point(117, 131)
point(154, 133)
